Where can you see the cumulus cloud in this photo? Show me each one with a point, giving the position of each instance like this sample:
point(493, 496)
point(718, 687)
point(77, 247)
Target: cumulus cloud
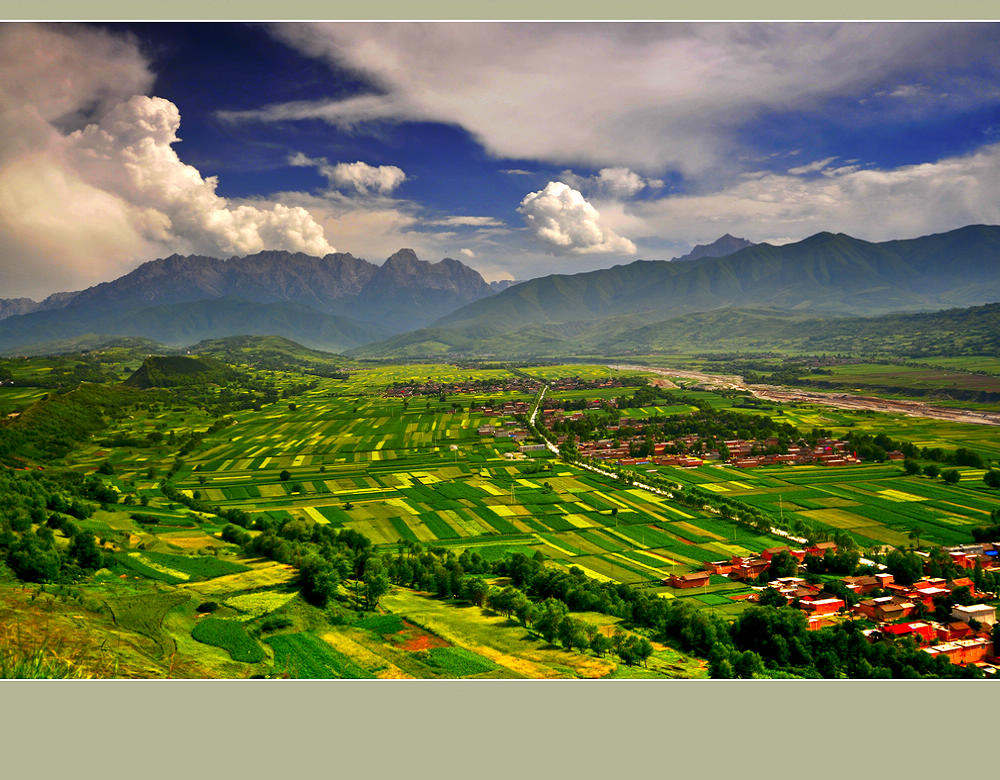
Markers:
point(618, 182)
point(649, 97)
point(79, 205)
point(366, 178)
point(359, 176)
point(873, 204)
point(467, 252)
point(563, 219)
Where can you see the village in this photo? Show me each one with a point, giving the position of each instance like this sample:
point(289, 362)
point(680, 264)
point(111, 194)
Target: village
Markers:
point(514, 384)
point(894, 610)
point(890, 611)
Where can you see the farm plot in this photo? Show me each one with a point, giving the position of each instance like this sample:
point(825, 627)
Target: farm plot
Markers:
point(875, 503)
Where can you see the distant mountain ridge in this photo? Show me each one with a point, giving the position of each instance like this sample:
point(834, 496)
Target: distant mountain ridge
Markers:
point(962, 331)
point(721, 247)
point(331, 302)
point(409, 306)
point(824, 274)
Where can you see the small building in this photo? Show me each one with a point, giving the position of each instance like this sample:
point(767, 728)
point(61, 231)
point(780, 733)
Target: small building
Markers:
point(963, 651)
point(821, 606)
point(923, 633)
point(696, 579)
point(983, 614)
point(720, 567)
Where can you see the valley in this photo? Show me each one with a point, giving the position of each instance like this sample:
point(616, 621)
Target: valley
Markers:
point(257, 517)
point(835, 399)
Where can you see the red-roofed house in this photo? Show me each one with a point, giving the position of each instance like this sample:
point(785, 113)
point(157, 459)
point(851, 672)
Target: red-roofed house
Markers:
point(922, 632)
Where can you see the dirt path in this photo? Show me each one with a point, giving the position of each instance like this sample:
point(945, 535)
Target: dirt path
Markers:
point(837, 400)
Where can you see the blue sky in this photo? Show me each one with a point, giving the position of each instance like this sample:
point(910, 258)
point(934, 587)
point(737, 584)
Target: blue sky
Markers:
point(521, 149)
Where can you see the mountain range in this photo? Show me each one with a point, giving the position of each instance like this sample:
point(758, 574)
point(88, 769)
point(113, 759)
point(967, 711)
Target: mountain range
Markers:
point(409, 307)
point(334, 302)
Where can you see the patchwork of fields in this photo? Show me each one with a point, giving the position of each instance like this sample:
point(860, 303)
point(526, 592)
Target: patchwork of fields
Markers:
point(183, 602)
point(417, 474)
point(875, 503)
point(417, 471)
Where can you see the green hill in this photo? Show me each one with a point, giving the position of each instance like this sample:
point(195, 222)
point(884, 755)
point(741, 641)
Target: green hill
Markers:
point(51, 427)
point(826, 274)
point(969, 331)
point(182, 323)
point(181, 371)
point(273, 353)
point(93, 342)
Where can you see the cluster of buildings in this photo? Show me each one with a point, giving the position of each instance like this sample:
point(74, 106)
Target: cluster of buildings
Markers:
point(896, 610)
point(967, 556)
point(513, 384)
point(826, 452)
point(693, 450)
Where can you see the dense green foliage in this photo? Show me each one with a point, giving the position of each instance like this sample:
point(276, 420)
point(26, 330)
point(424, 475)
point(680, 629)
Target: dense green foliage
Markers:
point(35, 508)
point(48, 429)
point(181, 371)
point(273, 353)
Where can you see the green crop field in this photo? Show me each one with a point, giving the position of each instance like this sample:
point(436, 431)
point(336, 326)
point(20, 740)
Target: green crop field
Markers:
point(231, 637)
point(876, 503)
point(341, 454)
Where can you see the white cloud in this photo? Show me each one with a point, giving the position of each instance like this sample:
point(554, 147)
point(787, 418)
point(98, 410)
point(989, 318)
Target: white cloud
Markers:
point(466, 221)
point(812, 167)
point(516, 172)
point(873, 204)
point(79, 206)
point(646, 96)
point(467, 252)
point(618, 182)
point(367, 178)
point(359, 176)
point(562, 218)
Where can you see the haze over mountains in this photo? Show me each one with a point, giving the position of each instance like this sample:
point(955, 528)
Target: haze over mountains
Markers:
point(411, 307)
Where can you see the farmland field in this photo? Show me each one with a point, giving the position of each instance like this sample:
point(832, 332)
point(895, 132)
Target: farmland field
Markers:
point(340, 454)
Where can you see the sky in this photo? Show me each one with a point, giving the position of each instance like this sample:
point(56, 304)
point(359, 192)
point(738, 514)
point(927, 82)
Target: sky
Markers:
point(520, 149)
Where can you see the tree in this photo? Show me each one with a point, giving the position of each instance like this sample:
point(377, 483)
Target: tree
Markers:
point(318, 580)
point(285, 475)
point(992, 478)
point(570, 633)
point(719, 665)
point(771, 597)
point(783, 564)
point(749, 665)
point(85, 551)
point(476, 590)
point(951, 476)
point(905, 567)
point(600, 644)
point(911, 467)
point(376, 583)
point(550, 615)
point(930, 470)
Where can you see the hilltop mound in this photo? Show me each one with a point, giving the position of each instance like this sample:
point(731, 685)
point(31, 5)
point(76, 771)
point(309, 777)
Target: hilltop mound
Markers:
point(274, 353)
point(181, 370)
